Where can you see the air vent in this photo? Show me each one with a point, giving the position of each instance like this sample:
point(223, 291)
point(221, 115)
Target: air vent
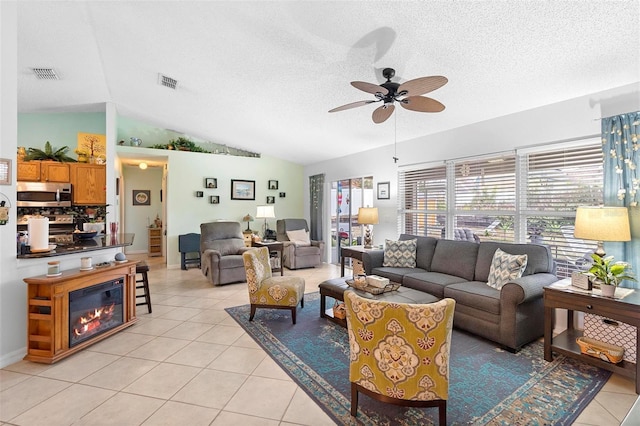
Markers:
point(169, 82)
point(45, 73)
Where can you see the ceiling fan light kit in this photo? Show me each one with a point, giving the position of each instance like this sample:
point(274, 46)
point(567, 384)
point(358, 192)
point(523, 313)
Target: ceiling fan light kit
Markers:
point(407, 94)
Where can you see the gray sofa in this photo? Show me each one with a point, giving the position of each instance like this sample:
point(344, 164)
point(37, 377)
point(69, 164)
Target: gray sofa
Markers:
point(512, 316)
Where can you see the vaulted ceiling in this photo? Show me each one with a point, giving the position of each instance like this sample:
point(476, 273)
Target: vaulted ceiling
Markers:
point(262, 75)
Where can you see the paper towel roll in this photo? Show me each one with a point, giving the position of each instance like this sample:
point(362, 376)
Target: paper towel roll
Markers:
point(38, 233)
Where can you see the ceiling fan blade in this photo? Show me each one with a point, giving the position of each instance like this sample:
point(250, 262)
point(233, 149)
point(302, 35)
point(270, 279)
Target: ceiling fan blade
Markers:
point(422, 85)
point(369, 87)
point(421, 104)
point(381, 114)
point(351, 105)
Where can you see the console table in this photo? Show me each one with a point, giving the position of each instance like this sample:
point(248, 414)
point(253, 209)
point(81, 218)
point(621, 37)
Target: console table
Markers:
point(626, 310)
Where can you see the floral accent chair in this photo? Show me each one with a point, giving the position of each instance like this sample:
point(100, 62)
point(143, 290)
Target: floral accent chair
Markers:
point(267, 291)
point(399, 352)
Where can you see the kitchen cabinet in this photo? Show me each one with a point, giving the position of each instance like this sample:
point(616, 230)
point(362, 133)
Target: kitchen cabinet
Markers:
point(89, 183)
point(54, 171)
point(28, 171)
point(155, 242)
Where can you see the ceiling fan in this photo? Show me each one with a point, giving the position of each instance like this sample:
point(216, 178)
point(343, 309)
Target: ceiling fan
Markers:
point(406, 94)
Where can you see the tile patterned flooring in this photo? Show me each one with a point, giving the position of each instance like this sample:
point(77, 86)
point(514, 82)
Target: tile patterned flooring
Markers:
point(189, 363)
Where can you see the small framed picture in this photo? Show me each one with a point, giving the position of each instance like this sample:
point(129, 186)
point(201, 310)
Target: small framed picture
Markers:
point(384, 189)
point(5, 171)
point(271, 199)
point(282, 195)
point(141, 197)
point(214, 199)
point(243, 189)
point(273, 184)
point(210, 183)
point(199, 194)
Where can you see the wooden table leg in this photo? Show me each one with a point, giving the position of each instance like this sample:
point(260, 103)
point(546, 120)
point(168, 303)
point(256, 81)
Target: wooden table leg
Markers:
point(548, 333)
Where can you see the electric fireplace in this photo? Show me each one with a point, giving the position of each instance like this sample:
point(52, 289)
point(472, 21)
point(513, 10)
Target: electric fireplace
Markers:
point(94, 310)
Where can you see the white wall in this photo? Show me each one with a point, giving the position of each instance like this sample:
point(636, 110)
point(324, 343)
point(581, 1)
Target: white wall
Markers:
point(138, 218)
point(573, 119)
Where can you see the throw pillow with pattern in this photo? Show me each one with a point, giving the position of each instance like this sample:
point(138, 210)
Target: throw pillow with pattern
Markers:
point(506, 267)
point(400, 254)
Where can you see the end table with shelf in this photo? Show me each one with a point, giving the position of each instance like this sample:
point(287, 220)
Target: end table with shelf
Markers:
point(625, 310)
point(155, 242)
point(275, 254)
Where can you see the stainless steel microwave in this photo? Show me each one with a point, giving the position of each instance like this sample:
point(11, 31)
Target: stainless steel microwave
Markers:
point(41, 194)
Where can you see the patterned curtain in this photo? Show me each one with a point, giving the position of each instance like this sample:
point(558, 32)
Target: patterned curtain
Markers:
point(316, 195)
point(621, 146)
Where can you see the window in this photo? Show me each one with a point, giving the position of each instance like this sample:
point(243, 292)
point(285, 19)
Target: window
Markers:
point(476, 199)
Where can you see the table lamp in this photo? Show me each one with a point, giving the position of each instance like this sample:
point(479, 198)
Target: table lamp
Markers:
point(368, 216)
point(248, 218)
point(266, 212)
point(602, 224)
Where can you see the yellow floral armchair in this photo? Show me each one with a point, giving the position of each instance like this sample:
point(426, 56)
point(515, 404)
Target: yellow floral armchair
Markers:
point(268, 291)
point(399, 353)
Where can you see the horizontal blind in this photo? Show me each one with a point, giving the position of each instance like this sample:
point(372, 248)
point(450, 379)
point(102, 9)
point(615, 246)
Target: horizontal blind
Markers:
point(486, 185)
point(422, 194)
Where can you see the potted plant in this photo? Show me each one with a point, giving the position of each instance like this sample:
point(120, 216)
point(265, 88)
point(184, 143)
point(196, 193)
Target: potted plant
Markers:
point(49, 154)
point(609, 274)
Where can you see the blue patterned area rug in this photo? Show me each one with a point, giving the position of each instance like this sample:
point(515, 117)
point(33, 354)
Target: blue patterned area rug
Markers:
point(488, 385)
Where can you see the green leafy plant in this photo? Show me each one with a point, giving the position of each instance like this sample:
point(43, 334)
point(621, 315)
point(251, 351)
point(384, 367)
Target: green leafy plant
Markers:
point(610, 272)
point(48, 153)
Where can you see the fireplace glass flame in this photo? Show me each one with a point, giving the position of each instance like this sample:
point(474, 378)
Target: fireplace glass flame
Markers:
point(94, 310)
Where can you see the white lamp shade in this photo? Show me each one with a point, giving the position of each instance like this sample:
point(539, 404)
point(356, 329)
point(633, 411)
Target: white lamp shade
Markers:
point(266, 212)
point(602, 224)
point(368, 215)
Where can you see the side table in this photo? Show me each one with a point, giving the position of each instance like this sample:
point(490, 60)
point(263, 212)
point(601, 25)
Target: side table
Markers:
point(626, 310)
point(354, 252)
point(275, 250)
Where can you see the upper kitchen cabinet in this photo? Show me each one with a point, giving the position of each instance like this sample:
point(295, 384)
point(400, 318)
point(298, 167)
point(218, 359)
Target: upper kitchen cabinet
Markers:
point(53, 171)
point(89, 183)
point(29, 171)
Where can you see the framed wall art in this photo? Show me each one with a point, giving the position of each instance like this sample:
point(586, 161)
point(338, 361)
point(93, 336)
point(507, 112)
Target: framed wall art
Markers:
point(211, 183)
point(283, 194)
point(214, 199)
point(243, 189)
point(271, 199)
point(5, 171)
point(199, 194)
point(384, 189)
point(141, 197)
point(273, 184)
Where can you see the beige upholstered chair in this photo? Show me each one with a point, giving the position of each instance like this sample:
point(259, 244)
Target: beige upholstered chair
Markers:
point(267, 291)
point(399, 352)
point(221, 248)
point(294, 254)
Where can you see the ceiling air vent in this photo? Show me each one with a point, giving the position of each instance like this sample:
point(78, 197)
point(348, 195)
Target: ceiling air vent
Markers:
point(169, 82)
point(45, 73)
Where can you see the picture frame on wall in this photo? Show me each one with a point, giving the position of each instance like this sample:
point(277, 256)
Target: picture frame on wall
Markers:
point(283, 194)
point(214, 199)
point(141, 197)
point(384, 190)
point(210, 183)
point(273, 184)
point(5, 171)
point(199, 194)
point(271, 199)
point(243, 189)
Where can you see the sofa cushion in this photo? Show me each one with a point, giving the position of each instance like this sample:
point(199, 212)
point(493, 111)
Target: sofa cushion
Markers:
point(299, 237)
point(395, 274)
point(476, 294)
point(456, 258)
point(400, 254)
point(430, 282)
point(425, 247)
point(505, 267)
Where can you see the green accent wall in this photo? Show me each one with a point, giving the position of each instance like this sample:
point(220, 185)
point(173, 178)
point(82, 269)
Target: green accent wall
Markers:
point(61, 129)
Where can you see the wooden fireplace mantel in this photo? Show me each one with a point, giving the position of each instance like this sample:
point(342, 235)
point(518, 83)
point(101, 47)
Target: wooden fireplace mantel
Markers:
point(48, 309)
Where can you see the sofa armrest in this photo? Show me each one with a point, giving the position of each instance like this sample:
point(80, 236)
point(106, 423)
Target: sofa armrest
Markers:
point(527, 288)
point(319, 244)
point(372, 259)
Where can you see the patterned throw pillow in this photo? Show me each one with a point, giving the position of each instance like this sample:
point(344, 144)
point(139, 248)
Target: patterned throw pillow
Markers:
point(506, 267)
point(400, 254)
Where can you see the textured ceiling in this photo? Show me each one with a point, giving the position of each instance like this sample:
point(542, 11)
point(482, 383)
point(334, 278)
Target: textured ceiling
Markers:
point(261, 76)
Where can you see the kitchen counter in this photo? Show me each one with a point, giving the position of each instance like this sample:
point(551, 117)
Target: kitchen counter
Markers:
point(84, 245)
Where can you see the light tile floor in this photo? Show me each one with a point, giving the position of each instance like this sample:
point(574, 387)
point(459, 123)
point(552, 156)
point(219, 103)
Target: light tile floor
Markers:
point(189, 363)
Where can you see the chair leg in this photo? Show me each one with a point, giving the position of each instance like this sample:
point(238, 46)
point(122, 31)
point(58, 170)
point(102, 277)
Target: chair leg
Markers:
point(293, 314)
point(443, 413)
point(354, 400)
point(253, 312)
point(302, 302)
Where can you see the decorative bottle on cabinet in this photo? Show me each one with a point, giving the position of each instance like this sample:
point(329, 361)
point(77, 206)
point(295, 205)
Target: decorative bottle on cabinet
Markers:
point(155, 242)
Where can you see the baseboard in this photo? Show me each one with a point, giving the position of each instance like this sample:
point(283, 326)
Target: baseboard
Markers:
point(13, 357)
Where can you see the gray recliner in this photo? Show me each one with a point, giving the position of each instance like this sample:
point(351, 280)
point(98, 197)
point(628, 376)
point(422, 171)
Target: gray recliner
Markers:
point(295, 256)
point(221, 248)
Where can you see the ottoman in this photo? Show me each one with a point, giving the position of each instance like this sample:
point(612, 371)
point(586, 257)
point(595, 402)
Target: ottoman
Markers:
point(335, 288)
